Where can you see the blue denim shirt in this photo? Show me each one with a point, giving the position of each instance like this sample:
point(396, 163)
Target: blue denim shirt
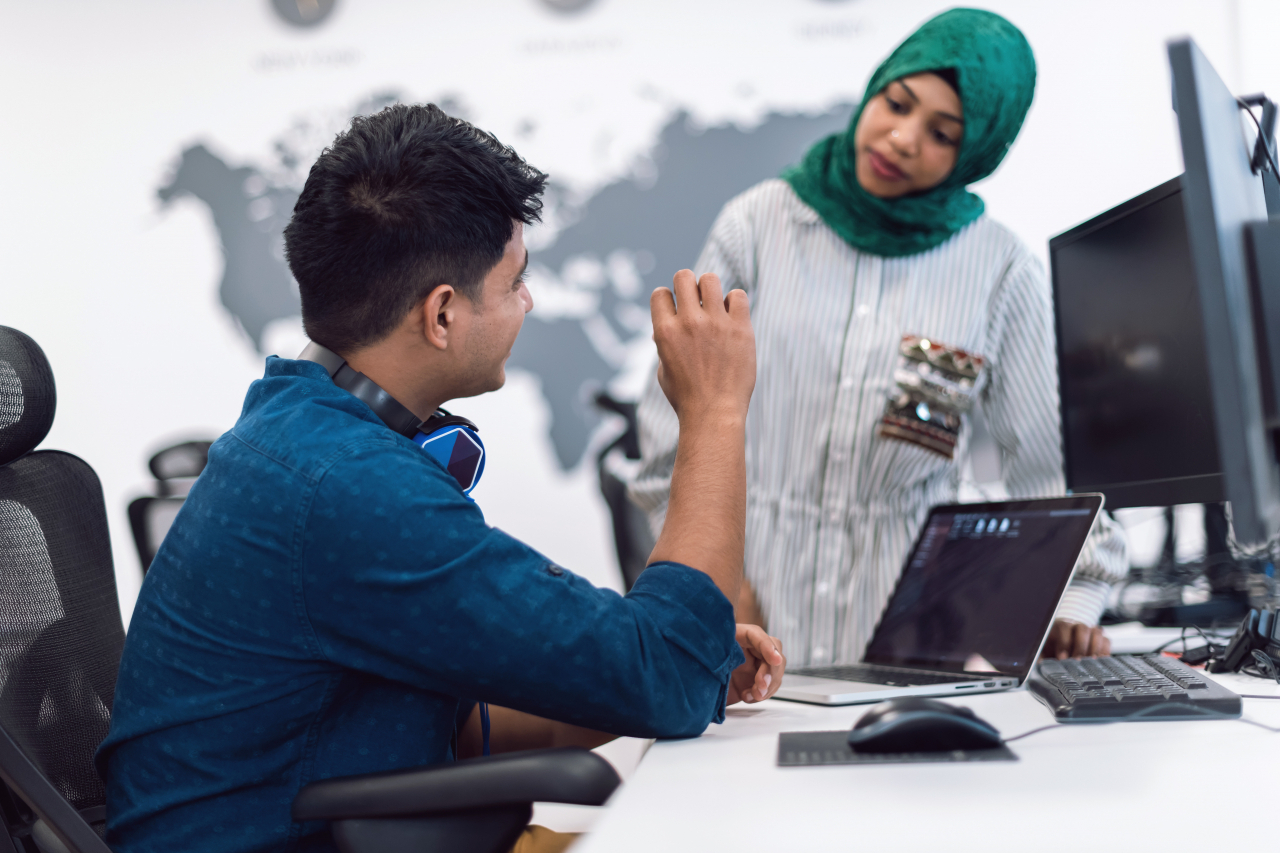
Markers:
point(328, 603)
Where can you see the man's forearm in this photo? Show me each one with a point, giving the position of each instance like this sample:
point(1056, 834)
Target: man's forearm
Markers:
point(513, 731)
point(706, 515)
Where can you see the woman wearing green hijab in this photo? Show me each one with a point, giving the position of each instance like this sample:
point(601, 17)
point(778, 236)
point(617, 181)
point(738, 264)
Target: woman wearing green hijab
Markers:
point(885, 303)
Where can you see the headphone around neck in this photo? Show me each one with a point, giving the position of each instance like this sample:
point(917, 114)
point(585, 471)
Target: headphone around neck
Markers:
point(449, 439)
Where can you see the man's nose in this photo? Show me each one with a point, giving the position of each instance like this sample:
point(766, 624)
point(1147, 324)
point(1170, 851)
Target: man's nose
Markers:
point(527, 296)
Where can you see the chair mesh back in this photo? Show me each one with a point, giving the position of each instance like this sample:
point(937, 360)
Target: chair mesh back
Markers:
point(60, 629)
point(27, 394)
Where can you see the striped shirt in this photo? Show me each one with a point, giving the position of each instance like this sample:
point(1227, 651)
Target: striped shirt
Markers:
point(832, 507)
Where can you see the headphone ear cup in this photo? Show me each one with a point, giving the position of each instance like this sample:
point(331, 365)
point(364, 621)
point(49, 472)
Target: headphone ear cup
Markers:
point(459, 451)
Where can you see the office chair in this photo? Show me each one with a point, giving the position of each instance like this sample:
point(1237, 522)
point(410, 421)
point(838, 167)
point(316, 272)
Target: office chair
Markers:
point(150, 516)
point(632, 539)
point(478, 806)
point(60, 629)
point(60, 643)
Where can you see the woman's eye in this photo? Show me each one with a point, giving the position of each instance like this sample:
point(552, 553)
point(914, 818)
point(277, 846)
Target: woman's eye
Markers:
point(942, 139)
point(897, 106)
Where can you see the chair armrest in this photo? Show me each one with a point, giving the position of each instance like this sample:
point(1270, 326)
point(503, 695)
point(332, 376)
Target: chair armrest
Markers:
point(564, 775)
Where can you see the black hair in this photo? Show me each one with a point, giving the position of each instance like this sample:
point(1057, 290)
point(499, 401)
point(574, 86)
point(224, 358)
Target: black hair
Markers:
point(949, 77)
point(405, 200)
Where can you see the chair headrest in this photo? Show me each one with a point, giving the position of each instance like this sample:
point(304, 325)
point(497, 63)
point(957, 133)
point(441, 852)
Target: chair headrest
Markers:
point(27, 395)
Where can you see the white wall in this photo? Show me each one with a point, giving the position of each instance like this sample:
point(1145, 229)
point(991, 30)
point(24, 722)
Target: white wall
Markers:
point(100, 98)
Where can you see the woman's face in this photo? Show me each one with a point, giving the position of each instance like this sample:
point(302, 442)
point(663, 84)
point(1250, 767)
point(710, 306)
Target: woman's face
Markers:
point(909, 136)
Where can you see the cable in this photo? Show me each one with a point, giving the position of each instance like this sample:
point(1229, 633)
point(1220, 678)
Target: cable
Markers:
point(1255, 696)
point(1183, 639)
point(1265, 145)
point(1033, 731)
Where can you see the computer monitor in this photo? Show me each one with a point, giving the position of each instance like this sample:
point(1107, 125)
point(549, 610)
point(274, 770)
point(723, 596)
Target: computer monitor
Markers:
point(1223, 200)
point(1168, 312)
point(1133, 374)
point(1168, 321)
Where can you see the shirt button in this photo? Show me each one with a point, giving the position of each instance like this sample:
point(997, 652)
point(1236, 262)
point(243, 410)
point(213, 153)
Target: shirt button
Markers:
point(833, 516)
point(554, 570)
point(864, 310)
point(839, 455)
point(846, 383)
point(824, 588)
point(819, 653)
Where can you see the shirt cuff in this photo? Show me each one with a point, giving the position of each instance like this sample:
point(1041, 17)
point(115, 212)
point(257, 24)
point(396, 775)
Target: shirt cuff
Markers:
point(1084, 601)
point(697, 619)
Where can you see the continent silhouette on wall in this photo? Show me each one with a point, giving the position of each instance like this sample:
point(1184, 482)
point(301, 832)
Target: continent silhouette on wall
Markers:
point(663, 218)
point(250, 216)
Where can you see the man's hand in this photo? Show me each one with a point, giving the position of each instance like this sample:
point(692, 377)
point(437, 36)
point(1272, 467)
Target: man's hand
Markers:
point(761, 676)
point(1075, 640)
point(707, 369)
point(706, 348)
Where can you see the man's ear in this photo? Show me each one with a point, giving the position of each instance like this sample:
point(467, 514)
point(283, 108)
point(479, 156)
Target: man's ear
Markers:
point(439, 315)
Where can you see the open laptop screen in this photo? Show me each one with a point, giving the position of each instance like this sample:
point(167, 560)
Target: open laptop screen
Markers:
point(981, 585)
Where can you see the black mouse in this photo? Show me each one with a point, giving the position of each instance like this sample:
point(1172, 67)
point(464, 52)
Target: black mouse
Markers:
point(910, 724)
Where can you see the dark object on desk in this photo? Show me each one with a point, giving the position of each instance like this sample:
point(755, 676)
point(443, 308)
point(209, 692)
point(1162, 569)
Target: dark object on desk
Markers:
point(1130, 687)
point(1200, 655)
point(59, 621)
point(1259, 630)
point(965, 616)
point(1266, 666)
point(912, 724)
point(175, 469)
point(480, 805)
point(808, 749)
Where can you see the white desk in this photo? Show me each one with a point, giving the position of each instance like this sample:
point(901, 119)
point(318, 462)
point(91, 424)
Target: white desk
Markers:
point(1143, 786)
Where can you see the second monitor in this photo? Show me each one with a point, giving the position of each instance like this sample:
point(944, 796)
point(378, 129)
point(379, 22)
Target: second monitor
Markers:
point(1137, 409)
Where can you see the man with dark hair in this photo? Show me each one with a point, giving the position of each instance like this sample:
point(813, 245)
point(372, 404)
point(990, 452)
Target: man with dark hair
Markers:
point(329, 602)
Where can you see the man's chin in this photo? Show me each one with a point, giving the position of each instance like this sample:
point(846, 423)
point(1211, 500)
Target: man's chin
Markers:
point(484, 388)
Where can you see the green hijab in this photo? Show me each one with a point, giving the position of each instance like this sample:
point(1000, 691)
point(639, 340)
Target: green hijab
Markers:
point(996, 72)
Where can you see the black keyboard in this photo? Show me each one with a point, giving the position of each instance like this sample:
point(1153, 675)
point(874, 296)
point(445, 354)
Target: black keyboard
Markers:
point(1129, 687)
point(893, 676)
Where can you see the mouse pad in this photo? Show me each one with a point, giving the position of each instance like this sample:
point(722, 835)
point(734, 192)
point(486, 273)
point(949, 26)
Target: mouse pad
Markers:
point(804, 749)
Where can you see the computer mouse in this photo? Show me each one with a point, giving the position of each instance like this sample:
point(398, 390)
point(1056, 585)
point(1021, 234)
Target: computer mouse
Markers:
point(911, 724)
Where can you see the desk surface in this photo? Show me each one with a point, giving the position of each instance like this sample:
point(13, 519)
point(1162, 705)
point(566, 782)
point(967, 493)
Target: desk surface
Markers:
point(1142, 786)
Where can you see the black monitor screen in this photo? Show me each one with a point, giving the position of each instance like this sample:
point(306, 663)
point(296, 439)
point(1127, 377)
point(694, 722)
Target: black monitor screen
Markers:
point(982, 584)
point(1137, 415)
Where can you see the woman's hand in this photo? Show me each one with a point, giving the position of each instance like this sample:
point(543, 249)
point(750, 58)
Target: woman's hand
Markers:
point(761, 676)
point(1074, 640)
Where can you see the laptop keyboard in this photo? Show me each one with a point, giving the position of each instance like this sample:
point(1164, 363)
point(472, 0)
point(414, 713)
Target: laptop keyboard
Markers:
point(893, 676)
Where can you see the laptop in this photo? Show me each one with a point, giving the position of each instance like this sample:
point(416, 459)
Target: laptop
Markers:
point(972, 608)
